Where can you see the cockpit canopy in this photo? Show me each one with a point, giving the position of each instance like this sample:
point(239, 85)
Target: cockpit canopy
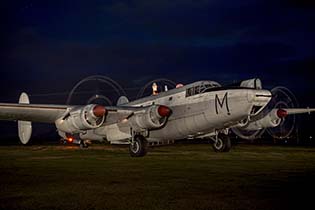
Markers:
point(201, 87)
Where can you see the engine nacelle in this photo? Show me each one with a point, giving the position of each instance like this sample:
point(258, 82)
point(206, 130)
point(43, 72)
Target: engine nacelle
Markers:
point(152, 118)
point(80, 119)
point(272, 119)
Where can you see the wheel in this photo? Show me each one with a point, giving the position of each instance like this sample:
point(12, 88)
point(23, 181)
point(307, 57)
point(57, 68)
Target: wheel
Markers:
point(83, 145)
point(138, 148)
point(223, 143)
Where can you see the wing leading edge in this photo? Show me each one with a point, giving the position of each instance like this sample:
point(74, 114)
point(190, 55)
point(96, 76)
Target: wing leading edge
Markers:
point(299, 110)
point(32, 112)
point(48, 113)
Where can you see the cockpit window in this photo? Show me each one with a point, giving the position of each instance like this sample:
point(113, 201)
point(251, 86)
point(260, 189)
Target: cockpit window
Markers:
point(207, 87)
point(201, 88)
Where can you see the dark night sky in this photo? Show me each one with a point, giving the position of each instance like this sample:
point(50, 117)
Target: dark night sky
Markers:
point(47, 46)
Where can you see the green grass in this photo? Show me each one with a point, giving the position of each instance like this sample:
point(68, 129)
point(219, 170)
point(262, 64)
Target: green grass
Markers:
point(169, 177)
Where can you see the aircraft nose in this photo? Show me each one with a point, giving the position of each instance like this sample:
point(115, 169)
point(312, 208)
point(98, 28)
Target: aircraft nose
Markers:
point(259, 99)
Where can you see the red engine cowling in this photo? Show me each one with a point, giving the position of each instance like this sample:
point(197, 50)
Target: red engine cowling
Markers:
point(82, 118)
point(152, 118)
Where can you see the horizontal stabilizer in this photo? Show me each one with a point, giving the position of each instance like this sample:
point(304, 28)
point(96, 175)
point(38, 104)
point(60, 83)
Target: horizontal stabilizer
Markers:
point(24, 127)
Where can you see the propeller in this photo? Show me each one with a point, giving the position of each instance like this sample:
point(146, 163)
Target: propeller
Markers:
point(248, 134)
point(282, 98)
point(96, 89)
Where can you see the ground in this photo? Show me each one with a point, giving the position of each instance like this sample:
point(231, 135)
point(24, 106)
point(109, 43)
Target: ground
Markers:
point(180, 176)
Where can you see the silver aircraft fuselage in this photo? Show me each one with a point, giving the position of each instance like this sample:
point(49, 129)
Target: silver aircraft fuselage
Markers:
point(196, 111)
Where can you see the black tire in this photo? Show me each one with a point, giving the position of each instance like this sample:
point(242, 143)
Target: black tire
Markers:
point(139, 147)
point(83, 145)
point(223, 144)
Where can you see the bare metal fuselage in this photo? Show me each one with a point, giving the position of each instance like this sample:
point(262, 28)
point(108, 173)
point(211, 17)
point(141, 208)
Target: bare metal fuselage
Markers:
point(192, 116)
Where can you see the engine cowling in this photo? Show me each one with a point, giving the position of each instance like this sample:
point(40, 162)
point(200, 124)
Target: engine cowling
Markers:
point(272, 119)
point(80, 119)
point(152, 118)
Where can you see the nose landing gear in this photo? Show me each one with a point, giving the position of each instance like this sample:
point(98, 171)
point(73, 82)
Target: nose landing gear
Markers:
point(222, 143)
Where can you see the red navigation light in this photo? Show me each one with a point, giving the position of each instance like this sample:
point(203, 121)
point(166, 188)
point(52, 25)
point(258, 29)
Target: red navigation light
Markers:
point(99, 111)
point(281, 113)
point(164, 111)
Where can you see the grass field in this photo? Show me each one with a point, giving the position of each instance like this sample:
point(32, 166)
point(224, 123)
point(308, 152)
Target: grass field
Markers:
point(170, 177)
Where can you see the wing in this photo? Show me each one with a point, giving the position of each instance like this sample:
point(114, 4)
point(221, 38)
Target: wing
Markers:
point(299, 110)
point(119, 113)
point(48, 113)
point(74, 119)
point(32, 112)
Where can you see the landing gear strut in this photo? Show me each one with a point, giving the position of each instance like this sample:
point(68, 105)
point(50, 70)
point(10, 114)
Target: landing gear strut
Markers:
point(222, 143)
point(84, 144)
point(138, 146)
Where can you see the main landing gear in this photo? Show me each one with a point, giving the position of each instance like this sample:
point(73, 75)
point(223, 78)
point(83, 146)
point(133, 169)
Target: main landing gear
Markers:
point(138, 146)
point(222, 143)
point(84, 144)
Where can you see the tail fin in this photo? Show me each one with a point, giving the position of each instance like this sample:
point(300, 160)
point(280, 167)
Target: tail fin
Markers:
point(24, 127)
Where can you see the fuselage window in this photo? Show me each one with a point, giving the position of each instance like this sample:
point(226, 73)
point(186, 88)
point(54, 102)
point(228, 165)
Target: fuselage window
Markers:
point(189, 92)
point(196, 90)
